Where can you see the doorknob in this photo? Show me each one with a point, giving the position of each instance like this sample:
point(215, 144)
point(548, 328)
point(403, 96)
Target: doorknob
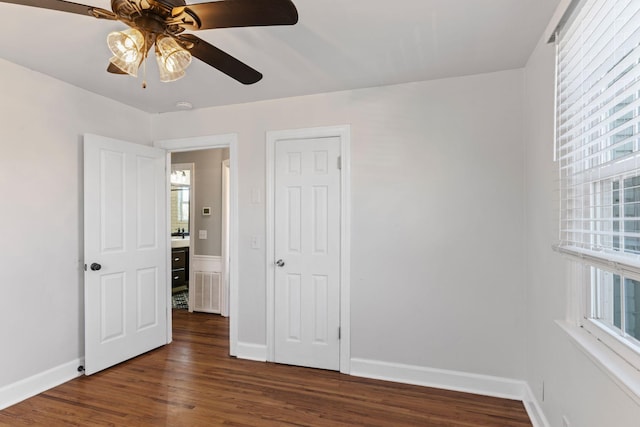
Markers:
point(95, 266)
point(280, 263)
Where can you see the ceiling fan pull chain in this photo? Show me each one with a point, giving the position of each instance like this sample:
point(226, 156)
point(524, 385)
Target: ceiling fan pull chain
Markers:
point(144, 66)
point(144, 75)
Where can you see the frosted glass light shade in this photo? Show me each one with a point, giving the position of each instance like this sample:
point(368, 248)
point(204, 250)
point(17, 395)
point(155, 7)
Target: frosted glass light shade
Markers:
point(128, 50)
point(166, 76)
point(130, 68)
point(172, 59)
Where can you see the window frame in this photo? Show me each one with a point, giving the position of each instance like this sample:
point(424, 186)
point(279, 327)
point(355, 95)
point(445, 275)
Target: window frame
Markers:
point(620, 342)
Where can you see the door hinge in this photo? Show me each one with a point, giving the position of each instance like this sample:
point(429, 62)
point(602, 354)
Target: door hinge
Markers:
point(85, 267)
point(339, 332)
point(339, 162)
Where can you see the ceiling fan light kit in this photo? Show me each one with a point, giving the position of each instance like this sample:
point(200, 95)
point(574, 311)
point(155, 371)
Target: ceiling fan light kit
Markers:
point(162, 23)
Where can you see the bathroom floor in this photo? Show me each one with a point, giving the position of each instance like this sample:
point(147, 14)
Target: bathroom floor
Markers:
point(181, 300)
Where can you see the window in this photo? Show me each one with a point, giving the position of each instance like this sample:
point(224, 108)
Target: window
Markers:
point(626, 215)
point(183, 203)
point(616, 303)
point(598, 153)
point(180, 197)
point(613, 311)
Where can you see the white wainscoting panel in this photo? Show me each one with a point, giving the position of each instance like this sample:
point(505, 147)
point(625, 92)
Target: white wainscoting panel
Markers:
point(29, 387)
point(205, 284)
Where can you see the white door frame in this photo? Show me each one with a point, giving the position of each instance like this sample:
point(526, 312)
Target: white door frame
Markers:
point(344, 133)
point(203, 143)
point(224, 309)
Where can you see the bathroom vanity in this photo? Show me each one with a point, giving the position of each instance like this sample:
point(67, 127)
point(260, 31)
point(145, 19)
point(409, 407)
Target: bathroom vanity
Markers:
point(179, 269)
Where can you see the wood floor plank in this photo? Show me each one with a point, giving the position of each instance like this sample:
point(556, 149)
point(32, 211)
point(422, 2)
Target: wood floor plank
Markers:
point(193, 382)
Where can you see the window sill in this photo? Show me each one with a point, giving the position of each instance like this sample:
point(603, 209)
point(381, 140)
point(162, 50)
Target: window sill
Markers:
point(620, 371)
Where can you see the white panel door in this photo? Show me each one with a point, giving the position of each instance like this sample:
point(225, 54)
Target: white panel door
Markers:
point(307, 252)
point(125, 251)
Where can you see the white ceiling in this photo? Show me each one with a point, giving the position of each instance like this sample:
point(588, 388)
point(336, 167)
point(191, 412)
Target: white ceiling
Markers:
point(336, 45)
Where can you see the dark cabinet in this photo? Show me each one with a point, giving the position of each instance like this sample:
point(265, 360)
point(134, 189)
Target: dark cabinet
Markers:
point(179, 269)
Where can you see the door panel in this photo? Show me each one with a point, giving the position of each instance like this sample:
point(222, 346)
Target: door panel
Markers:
point(294, 303)
point(111, 185)
point(147, 298)
point(294, 199)
point(125, 233)
point(320, 210)
point(307, 239)
point(147, 224)
point(321, 294)
point(112, 306)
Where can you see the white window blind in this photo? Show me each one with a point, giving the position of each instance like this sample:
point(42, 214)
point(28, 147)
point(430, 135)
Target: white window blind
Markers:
point(598, 124)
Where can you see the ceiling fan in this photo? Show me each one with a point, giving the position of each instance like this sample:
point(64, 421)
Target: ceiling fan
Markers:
point(162, 23)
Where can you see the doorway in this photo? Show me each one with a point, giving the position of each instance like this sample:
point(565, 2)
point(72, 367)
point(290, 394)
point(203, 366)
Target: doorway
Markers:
point(186, 145)
point(204, 272)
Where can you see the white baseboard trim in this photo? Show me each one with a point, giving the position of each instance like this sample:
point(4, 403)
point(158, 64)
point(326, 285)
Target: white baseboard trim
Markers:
point(250, 351)
point(533, 409)
point(43, 381)
point(430, 377)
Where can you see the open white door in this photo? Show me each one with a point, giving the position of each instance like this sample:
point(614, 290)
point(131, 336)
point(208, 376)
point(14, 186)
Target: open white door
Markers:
point(125, 251)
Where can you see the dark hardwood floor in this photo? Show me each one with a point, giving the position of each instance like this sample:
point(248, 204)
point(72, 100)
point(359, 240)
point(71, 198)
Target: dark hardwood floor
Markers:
point(193, 382)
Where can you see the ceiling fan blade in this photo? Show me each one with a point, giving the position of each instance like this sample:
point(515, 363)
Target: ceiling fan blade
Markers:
point(66, 6)
point(114, 70)
point(219, 59)
point(236, 13)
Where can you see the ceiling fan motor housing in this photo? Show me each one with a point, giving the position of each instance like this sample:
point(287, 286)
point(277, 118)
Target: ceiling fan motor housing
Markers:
point(151, 16)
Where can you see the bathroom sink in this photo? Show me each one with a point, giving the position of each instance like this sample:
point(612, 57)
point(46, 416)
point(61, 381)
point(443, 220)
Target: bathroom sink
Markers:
point(179, 242)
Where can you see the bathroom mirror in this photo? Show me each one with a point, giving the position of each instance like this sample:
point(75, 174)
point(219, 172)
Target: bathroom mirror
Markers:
point(180, 202)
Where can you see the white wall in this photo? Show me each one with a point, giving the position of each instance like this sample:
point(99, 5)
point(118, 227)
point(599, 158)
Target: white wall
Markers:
point(41, 125)
point(573, 385)
point(437, 196)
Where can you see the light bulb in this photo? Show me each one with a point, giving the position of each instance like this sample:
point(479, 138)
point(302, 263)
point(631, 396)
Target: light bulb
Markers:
point(172, 59)
point(128, 50)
